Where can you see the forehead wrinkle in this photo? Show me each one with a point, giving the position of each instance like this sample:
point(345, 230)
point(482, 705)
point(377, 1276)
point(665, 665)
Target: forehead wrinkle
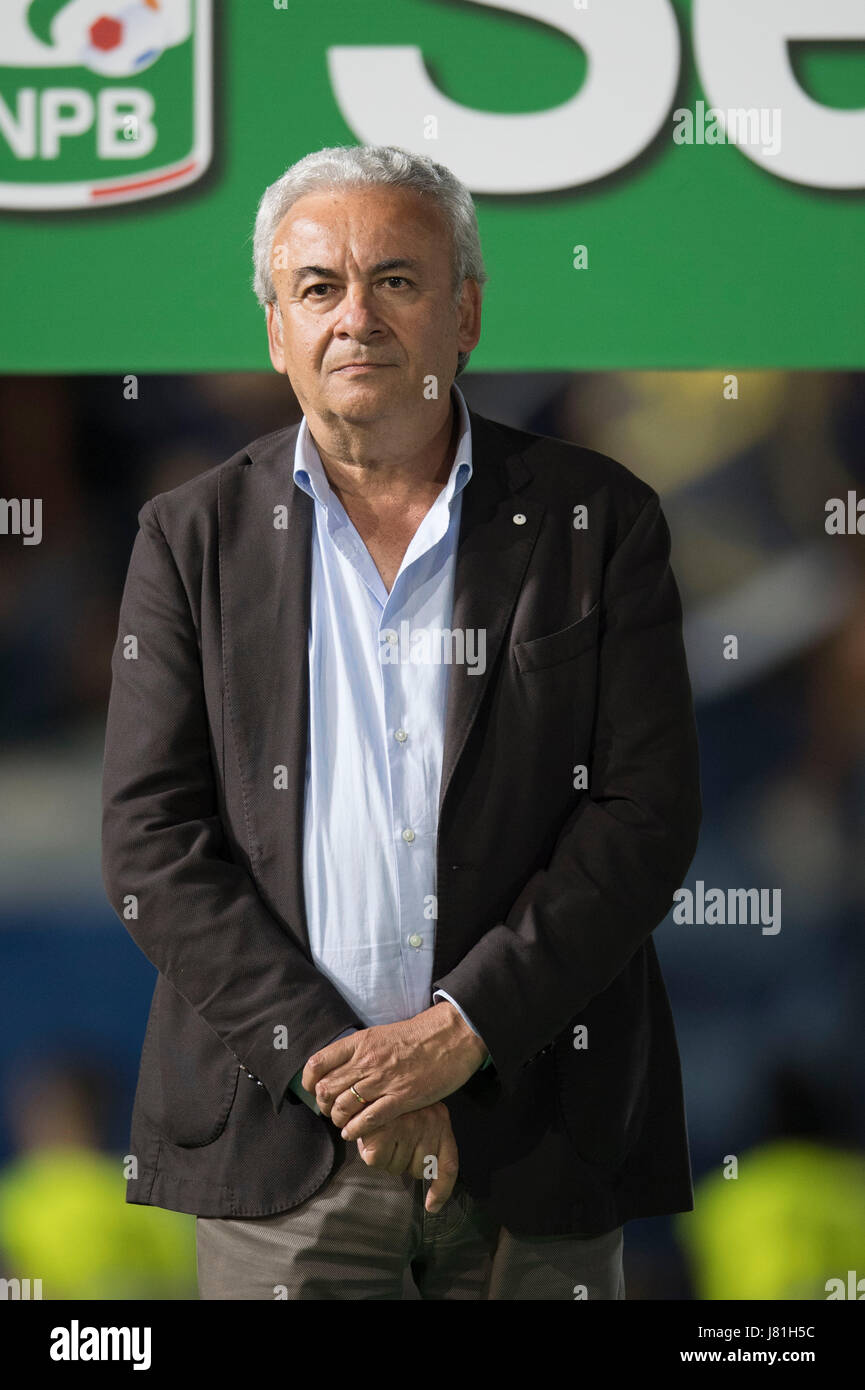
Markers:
point(308, 223)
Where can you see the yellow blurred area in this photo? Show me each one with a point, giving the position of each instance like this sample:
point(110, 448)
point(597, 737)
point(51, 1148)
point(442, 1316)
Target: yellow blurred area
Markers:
point(64, 1220)
point(676, 427)
point(793, 1219)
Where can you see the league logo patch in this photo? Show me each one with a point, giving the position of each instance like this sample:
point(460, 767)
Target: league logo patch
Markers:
point(102, 101)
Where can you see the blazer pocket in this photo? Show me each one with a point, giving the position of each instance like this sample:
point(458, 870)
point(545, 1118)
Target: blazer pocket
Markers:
point(559, 646)
point(188, 1076)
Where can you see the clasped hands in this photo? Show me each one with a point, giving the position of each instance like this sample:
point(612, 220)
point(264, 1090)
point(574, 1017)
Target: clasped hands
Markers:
point(403, 1071)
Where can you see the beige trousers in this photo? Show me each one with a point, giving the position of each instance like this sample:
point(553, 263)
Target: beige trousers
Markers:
point(366, 1235)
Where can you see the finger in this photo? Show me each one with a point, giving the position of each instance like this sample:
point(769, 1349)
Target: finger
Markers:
point(425, 1149)
point(346, 1106)
point(382, 1112)
point(337, 1082)
point(442, 1186)
point(327, 1096)
point(400, 1158)
point(337, 1100)
point(373, 1117)
point(336, 1054)
point(376, 1155)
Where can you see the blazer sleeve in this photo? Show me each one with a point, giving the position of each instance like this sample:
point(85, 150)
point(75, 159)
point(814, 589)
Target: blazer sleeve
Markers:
point(194, 912)
point(626, 846)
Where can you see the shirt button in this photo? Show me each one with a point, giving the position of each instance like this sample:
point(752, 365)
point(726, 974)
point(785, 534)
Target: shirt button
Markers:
point(415, 940)
point(408, 835)
point(520, 519)
point(400, 735)
point(390, 636)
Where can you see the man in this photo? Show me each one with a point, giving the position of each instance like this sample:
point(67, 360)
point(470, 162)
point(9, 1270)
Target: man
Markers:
point(401, 773)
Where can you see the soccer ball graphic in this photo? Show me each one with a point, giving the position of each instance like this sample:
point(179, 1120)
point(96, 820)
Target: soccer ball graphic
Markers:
point(124, 40)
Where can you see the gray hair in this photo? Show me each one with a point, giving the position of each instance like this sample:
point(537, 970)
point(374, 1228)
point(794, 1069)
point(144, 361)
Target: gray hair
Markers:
point(346, 166)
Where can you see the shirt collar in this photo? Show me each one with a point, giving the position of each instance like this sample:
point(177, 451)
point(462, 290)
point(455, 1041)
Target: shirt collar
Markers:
point(309, 471)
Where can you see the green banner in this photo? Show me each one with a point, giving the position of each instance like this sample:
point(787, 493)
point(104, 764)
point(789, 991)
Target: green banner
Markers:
point(658, 184)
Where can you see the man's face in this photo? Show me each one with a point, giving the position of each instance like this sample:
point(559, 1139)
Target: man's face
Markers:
point(366, 276)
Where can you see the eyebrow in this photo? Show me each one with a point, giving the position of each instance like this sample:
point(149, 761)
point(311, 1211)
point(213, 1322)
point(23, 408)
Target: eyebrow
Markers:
point(322, 272)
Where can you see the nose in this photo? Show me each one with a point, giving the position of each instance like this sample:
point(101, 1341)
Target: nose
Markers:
point(358, 317)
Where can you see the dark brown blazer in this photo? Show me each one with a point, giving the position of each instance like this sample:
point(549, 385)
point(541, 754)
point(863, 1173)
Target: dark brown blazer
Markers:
point(547, 893)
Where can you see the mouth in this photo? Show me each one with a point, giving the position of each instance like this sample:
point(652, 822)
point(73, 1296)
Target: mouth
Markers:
point(358, 368)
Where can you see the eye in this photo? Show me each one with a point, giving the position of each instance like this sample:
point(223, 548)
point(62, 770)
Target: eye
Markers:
point(401, 278)
point(321, 286)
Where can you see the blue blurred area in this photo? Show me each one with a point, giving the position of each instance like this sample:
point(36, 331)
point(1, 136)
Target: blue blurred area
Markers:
point(73, 988)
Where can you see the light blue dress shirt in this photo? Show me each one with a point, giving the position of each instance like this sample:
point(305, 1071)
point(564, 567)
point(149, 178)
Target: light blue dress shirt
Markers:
point(375, 747)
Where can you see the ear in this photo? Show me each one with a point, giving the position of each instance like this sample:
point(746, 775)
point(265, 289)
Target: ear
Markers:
point(469, 315)
point(274, 338)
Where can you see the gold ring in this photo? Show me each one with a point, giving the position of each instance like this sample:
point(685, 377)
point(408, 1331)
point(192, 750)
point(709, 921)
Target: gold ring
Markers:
point(358, 1096)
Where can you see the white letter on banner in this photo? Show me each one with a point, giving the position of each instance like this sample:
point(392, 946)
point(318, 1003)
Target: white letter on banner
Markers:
point(741, 48)
point(384, 93)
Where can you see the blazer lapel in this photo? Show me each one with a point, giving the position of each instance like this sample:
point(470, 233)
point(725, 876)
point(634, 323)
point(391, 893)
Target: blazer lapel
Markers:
point(492, 554)
point(265, 581)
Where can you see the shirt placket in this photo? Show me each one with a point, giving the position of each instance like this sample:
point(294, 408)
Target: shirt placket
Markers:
point(404, 695)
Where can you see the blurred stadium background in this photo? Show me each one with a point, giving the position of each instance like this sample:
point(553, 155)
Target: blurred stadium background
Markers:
point(769, 1025)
